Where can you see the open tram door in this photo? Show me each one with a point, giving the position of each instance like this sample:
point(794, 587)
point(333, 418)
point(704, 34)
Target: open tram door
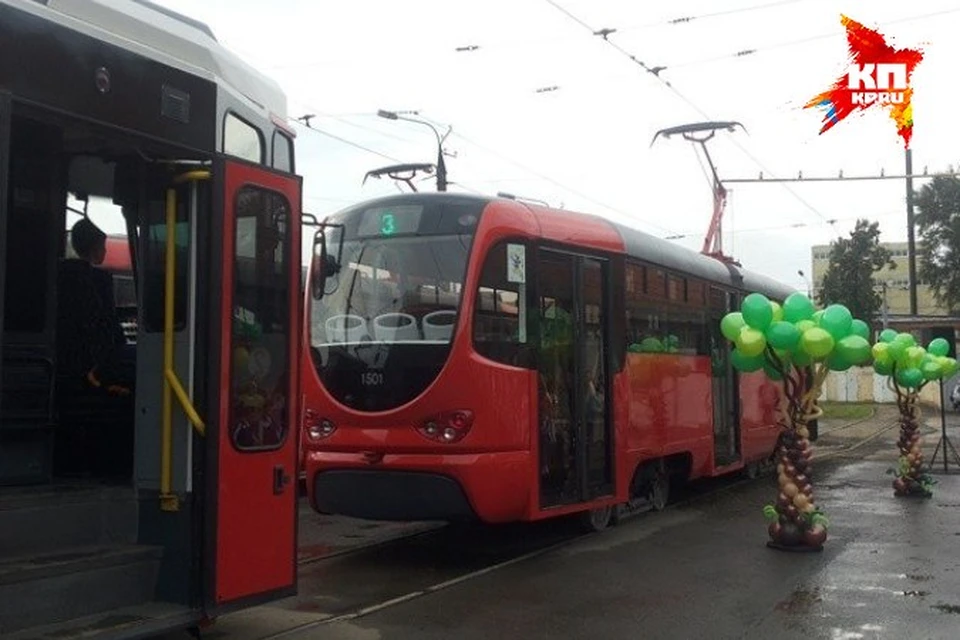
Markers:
point(251, 473)
point(726, 384)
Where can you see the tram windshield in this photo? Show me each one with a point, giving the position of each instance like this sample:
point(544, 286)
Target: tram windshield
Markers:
point(391, 287)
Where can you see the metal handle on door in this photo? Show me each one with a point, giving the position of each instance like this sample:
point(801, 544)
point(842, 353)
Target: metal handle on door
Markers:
point(280, 480)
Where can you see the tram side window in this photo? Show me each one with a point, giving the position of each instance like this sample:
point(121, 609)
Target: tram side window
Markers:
point(262, 297)
point(282, 152)
point(241, 139)
point(499, 321)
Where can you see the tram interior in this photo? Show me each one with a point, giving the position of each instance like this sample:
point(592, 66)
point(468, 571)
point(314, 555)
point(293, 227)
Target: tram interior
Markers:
point(77, 449)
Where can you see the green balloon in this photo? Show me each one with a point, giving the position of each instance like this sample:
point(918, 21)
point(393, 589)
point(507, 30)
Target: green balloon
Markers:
point(731, 324)
point(803, 325)
point(777, 311)
point(952, 367)
point(907, 339)
point(817, 343)
point(939, 347)
point(651, 345)
point(896, 350)
point(910, 377)
point(800, 358)
point(860, 328)
point(746, 364)
point(881, 352)
point(913, 357)
point(817, 317)
point(751, 342)
point(783, 335)
point(837, 320)
point(931, 369)
point(887, 335)
point(757, 312)
point(797, 307)
point(837, 361)
point(883, 367)
point(854, 349)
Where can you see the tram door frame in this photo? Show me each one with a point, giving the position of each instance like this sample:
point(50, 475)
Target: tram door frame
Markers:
point(584, 488)
point(247, 490)
point(6, 114)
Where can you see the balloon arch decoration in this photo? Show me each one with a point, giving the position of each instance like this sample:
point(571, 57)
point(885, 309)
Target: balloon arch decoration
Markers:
point(909, 368)
point(797, 347)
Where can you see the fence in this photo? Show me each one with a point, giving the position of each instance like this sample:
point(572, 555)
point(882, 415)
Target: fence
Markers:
point(862, 384)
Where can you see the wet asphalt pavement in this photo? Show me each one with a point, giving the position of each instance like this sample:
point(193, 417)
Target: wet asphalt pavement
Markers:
point(701, 570)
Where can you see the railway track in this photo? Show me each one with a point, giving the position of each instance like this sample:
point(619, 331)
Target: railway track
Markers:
point(352, 583)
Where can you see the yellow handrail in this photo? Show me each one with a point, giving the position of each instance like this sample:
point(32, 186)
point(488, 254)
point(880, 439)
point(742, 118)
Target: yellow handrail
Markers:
point(169, 501)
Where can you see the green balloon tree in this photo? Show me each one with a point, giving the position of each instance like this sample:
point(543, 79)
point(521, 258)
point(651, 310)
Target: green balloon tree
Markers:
point(796, 346)
point(909, 368)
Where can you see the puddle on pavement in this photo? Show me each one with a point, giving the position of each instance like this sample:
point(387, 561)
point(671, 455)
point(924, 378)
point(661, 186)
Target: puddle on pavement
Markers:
point(800, 601)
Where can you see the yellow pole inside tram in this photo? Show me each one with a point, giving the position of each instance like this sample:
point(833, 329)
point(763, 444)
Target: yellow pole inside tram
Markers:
point(168, 500)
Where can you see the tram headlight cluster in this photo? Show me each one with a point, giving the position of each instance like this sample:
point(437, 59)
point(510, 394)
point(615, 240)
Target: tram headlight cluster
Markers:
point(448, 427)
point(318, 428)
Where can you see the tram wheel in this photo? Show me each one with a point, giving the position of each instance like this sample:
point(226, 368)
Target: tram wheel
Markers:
point(658, 491)
point(596, 519)
point(752, 470)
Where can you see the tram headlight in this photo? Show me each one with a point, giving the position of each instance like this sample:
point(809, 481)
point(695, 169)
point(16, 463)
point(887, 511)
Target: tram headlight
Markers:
point(317, 428)
point(447, 427)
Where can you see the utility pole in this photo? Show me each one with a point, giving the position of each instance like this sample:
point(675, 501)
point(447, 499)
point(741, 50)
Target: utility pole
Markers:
point(911, 239)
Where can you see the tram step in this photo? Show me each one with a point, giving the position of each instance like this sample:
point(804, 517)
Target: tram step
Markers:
point(47, 519)
point(55, 587)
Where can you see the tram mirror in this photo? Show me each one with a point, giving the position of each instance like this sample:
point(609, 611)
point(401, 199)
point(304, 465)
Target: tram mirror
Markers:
point(325, 265)
point(319, 279)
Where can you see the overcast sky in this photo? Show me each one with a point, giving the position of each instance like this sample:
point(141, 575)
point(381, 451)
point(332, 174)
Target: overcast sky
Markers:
point(586, 144)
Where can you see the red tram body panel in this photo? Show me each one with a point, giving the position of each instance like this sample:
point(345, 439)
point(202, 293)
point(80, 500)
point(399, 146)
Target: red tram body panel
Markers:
point(493, 448)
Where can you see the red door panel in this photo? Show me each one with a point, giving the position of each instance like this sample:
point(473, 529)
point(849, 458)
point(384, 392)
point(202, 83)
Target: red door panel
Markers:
point(256, 491)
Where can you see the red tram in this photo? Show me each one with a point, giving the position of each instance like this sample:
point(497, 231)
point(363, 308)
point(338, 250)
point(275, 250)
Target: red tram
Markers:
point(476, 358)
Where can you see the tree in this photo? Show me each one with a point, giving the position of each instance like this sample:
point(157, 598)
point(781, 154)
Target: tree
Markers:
point(849, 276)
point(938, 221)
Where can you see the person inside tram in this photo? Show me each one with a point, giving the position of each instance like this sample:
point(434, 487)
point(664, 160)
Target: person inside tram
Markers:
point(95, 368)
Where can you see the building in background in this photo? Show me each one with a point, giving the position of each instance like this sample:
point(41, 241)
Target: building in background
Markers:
point(896, 281)
point(931, 320)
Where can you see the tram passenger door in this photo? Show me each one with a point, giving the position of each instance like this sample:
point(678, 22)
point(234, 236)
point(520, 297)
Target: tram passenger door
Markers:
point(253, 485)
point(5, 115)
point(726, 390)
point(575, 457)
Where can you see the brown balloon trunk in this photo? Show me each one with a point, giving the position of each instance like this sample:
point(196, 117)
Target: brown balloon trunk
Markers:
point(911, 479)
point(799, 525)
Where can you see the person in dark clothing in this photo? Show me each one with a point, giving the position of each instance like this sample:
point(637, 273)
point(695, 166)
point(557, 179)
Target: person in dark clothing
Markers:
point(95, 379)
point(90, 337)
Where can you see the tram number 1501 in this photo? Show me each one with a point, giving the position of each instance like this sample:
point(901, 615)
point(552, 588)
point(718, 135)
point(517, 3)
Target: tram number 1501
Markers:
point(371, 378)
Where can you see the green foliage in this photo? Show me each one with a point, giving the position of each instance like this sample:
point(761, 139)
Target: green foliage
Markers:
point(937, 206)
point(849, 276)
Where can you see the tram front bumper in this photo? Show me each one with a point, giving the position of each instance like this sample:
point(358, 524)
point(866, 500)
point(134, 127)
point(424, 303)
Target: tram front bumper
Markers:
point(490, 487)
